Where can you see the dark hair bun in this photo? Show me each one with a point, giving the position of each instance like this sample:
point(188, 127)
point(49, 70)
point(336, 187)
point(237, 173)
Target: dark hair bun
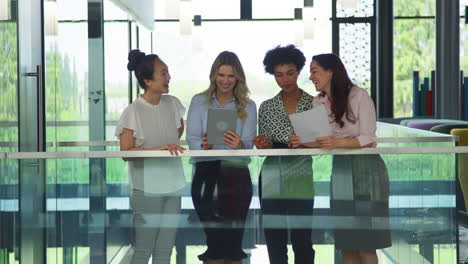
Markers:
point(134, 58)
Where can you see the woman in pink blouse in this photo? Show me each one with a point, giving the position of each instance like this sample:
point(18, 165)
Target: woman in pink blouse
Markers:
point(359, 185)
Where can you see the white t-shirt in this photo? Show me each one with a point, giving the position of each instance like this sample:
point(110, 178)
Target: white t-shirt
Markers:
point(154, 126)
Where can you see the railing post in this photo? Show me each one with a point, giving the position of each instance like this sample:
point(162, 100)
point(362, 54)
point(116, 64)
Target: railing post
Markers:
point(97, 132)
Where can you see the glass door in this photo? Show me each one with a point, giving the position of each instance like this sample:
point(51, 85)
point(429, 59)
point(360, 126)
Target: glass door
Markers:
point(31, 131)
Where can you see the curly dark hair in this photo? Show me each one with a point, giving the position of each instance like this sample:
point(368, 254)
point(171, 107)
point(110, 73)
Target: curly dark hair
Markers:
point(340, 87)
point(283, 55)
point(142, 64)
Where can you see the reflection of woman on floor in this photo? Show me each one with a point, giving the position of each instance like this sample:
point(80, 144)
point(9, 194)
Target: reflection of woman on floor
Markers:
point(360, 186)
point(228, 89)
point(286, 187)
point(153, 122)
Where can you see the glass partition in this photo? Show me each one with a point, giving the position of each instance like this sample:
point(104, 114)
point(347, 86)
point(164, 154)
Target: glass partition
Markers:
point(181, 57)
point(9, 224)
point(66, 73)
point(390, 135)
point(463, 38)
point(414, 50)
point(8, 134)
point(421, 216)
point(92, 200)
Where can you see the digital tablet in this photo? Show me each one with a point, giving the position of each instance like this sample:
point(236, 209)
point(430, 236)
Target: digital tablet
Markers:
point(220, 120)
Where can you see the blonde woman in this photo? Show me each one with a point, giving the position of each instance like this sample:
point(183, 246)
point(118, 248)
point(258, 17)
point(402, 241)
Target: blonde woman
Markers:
point(228, 89)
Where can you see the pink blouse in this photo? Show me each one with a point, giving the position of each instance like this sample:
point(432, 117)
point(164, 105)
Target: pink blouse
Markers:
point(364, 113)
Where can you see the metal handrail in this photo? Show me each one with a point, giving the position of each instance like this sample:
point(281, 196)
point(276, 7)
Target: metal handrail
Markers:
point(115, 143)
point(14, 144)
point(438, 139)
point(234, 153)
point(87, 143)
point(183, 142)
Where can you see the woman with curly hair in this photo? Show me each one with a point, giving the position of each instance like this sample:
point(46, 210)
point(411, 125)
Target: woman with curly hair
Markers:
point(359, 183)
point(223, 218)
point(286, 182)
point(153, 122)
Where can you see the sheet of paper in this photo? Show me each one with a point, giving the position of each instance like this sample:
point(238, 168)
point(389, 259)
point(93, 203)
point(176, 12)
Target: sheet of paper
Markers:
point(311, 124)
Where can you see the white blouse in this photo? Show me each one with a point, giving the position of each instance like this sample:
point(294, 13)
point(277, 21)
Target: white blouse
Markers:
point(154, 126)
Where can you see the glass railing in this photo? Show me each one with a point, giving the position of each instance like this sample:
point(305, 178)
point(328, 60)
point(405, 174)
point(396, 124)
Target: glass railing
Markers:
point(387, 134)
point(94, 213)
point(92, 204)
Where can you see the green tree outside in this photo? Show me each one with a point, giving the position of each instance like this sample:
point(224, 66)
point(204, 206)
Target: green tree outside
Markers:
point(414, 50)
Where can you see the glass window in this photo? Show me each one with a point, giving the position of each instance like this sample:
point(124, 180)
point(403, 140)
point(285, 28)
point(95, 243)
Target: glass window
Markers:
point(463, 5)
point(9, 187)
point(274, 8)
point(464, 48)
point(414, 50)
point(166, 9)
point(8, 101)
point(66, 98)
point(67, 81)
point(414, 7)
point(144, 40)
point(208, 9)
point(356, 52)
point(117, 76)
point(72, 10)
point(217, 9)
point(463, 39)
point(8, 83)
point(190, 67)
point(112, 12)
point(363, 8)
point(264, 9)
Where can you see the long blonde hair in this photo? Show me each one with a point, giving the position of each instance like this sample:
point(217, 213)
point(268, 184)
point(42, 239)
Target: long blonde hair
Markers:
point(241, 91)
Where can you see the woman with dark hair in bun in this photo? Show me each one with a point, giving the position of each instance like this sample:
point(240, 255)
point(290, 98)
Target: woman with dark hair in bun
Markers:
point(286, 187)
point(153, 122)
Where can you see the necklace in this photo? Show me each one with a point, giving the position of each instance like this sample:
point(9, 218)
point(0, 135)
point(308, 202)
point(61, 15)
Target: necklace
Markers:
point(291, 97)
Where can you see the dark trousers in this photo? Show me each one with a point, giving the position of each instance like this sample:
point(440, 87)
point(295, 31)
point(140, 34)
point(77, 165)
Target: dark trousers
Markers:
point(204, 182)
point(224, 217)
point(277, 238)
